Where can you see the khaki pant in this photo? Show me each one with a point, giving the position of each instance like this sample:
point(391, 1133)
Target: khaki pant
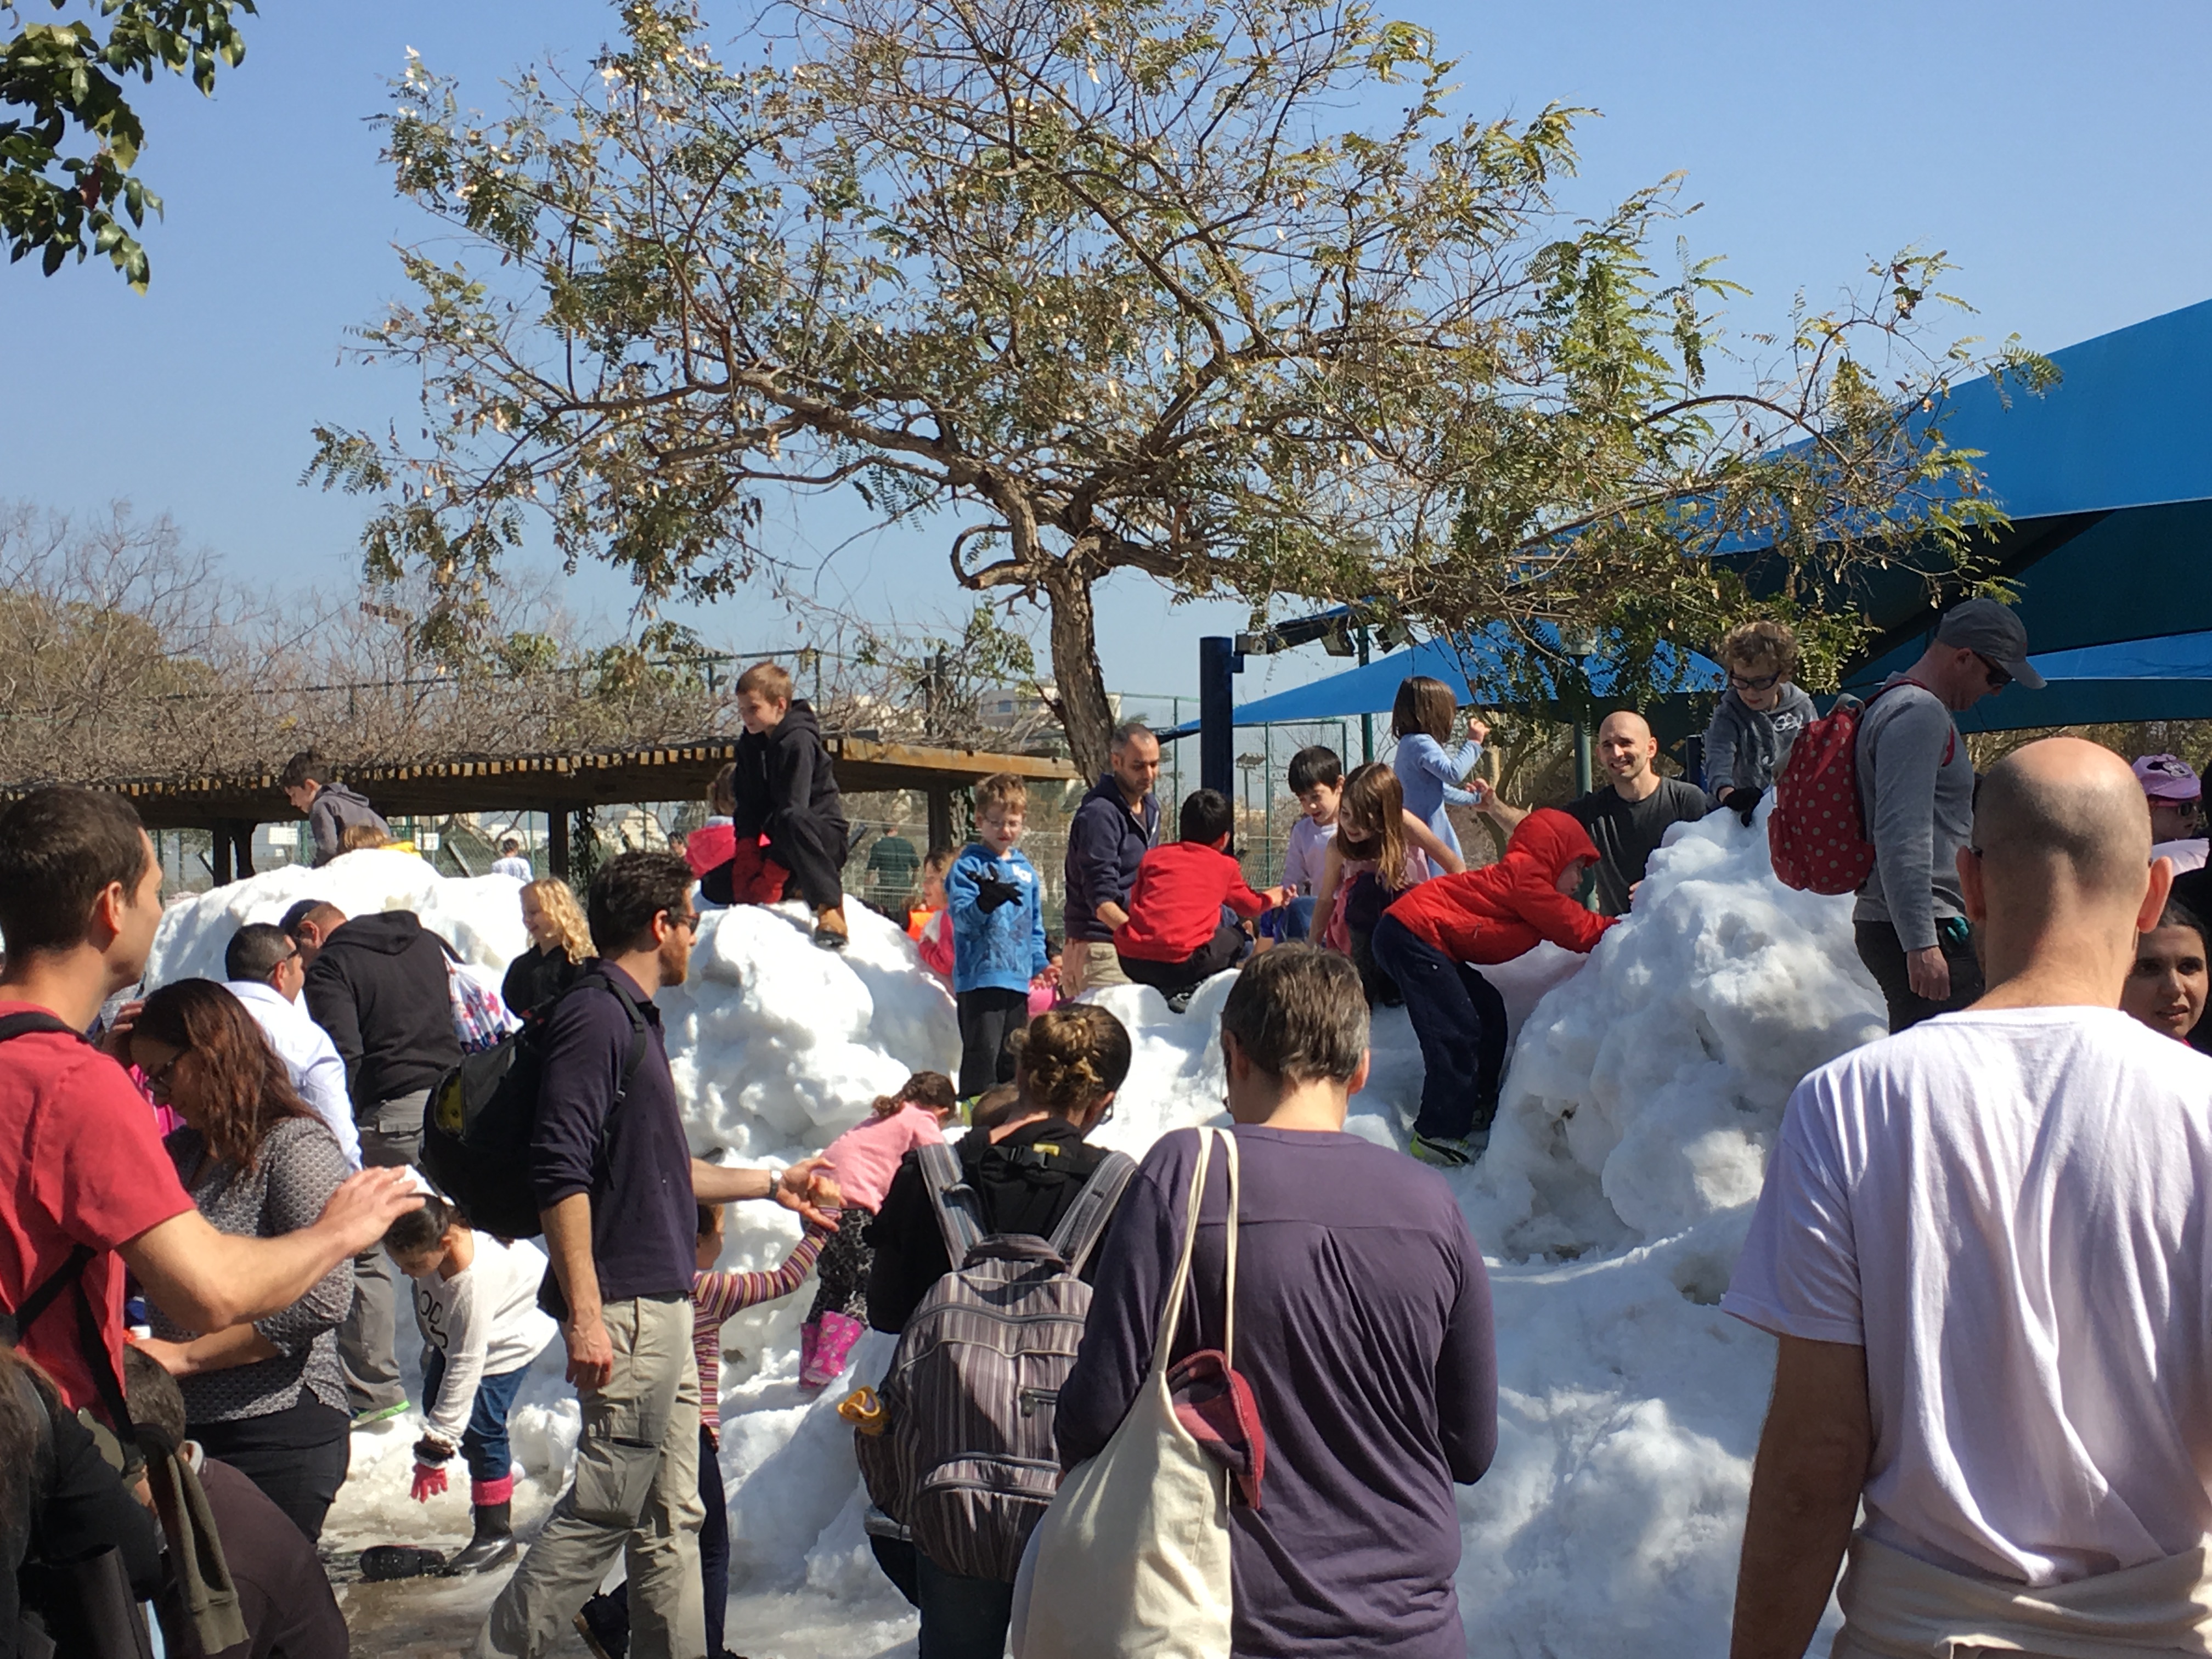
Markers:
point(1898, 1607)
point(636, 1489)
point(1090, 965)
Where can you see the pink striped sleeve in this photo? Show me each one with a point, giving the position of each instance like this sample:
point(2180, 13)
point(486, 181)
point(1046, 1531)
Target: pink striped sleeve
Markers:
point(716, 1297)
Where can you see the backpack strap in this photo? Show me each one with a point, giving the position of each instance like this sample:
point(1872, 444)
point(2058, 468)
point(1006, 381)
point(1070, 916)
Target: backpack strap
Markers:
point(637, 1057)
point(1085, 1223)
point(36, 1019)
point(956, 1218)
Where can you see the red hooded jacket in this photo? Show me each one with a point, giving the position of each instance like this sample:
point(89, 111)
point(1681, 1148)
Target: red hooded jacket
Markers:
point(1505, 909)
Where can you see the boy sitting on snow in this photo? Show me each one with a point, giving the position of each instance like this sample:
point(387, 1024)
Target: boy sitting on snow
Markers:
point(1177, 937)
point(784, 808)
point(1428, 942)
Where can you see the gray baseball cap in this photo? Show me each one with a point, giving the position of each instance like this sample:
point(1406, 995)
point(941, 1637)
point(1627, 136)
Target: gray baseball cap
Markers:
point(1991, 630)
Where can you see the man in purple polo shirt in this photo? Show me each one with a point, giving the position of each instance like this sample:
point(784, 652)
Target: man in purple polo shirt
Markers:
point(1365, 1331)
point(621, 1228)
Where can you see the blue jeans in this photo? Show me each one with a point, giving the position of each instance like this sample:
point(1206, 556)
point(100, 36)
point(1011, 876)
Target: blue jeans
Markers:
point(1289, 923)
point(1459, 1020)
point(483, 1442)
point(961, 1618)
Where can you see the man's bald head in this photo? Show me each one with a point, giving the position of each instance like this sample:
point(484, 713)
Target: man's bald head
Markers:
point(2062, 811)
point(1626, 724)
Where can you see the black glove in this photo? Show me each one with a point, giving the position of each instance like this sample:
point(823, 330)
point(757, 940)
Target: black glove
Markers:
point(992, 891)
point(432, 1452)
point(1742, 802)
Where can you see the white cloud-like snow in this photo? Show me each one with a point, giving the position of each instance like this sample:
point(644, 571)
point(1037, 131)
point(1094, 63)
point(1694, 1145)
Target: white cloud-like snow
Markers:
point(1645, 1088)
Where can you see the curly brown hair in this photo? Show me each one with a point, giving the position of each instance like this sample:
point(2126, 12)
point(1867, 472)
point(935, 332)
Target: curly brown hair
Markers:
point(248, 1092)
point(1069, 1056)
point(930, 1089)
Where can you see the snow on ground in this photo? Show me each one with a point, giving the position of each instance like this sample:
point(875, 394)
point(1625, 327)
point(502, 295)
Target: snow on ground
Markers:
point(1646, 1086)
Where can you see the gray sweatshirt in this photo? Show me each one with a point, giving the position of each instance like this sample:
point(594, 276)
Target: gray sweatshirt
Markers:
point(336, 809)
point(1745, 747)
point(1916, 796)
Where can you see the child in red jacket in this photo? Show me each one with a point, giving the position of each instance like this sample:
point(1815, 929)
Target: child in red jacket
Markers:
point(1177, 937)
point(1429, 939)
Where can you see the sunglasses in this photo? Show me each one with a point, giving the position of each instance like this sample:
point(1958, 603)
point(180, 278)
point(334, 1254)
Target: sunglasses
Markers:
point(1998, 677)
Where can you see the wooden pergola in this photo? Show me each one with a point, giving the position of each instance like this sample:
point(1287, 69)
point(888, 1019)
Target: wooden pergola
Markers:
point(230, 807)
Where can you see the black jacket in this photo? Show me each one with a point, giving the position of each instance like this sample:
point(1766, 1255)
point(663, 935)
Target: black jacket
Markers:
point(1020, 1193)
point(787, 767)
point(379, 988)
point(535, 979)
point(1105, 843)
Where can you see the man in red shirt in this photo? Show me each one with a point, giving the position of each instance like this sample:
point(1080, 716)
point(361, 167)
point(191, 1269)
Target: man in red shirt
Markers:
point(86, 1190)
point(1177, 938)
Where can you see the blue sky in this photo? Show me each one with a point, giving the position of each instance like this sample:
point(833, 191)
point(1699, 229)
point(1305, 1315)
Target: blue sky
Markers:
point(2058, 152)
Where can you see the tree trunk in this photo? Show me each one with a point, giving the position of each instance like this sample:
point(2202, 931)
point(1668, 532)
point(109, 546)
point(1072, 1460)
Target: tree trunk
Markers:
point(1085, 711)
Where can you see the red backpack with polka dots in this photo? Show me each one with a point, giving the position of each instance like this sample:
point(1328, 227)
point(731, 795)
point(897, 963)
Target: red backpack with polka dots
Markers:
point(1816, 834)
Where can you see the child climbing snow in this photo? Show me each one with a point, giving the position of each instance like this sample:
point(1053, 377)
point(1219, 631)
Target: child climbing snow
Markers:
point(1431, 775)
point(1759, 717)
point(1380, 850)
point(1179, 934)
point(477, 1301)
point(1428, 942)
point(715, 1297)
point(862, 1161)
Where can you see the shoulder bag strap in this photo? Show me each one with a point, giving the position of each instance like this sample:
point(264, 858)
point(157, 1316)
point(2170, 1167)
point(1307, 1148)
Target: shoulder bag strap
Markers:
point(1087, 1218)
point(1229, 1273)
point(941, 1176)
point(1171, 1312)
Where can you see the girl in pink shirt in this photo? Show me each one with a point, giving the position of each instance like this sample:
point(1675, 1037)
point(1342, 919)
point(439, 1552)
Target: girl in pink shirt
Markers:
point(862, 1162)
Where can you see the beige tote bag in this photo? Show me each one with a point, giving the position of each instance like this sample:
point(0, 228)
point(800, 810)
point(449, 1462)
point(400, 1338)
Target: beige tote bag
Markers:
point(1133, 1557)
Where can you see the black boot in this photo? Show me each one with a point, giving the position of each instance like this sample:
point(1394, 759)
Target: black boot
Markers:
point(493, 1546)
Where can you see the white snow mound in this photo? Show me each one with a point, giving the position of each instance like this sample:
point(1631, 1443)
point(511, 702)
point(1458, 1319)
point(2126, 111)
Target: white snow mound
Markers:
point(1646, 1085)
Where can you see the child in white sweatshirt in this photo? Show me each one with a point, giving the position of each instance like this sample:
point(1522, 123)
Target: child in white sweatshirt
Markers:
point(477, 1299)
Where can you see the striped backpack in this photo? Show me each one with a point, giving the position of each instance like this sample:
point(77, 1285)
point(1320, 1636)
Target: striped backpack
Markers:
point(1816, 834)
point(968, 1462)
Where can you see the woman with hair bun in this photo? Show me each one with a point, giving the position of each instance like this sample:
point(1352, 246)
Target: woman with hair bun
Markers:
point(267, 1398)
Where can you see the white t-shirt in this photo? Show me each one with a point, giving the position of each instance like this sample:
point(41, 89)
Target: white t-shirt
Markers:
point(517, 866)
point(486, 1321)
point(1304, 855)
point(2011, 1212)
point(2185, 855)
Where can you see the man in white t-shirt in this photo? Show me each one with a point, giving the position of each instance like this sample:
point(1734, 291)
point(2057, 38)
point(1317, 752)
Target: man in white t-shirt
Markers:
point(1985, 1244)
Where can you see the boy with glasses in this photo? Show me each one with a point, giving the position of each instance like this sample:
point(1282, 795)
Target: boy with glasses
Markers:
point(1759, 717)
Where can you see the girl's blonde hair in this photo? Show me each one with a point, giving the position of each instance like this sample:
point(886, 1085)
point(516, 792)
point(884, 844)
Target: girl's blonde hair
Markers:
point(1370, 821)
point(930, 1089)
point(560, 905)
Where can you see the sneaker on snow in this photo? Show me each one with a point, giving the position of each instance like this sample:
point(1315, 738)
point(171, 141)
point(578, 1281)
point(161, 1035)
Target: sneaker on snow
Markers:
point(830, 930)
point(380, 1413)
point(1442, 1153)
point(1180, 1002)
point(380, 1564)
point(605, 1631)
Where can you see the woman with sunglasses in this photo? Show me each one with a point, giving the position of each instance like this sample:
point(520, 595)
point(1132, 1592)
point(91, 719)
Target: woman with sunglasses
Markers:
point(1759, 717)
point(267, 1398)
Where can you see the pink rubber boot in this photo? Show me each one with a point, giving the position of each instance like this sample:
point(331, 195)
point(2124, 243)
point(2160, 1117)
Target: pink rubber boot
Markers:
point(809, 1340)
point(832, 1349)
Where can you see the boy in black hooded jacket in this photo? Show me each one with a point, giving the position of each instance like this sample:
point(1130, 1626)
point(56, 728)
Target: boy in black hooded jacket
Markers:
point(786, 790)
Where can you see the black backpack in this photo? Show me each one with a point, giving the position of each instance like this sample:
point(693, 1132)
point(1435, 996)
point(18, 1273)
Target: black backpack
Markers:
point(480, 1118)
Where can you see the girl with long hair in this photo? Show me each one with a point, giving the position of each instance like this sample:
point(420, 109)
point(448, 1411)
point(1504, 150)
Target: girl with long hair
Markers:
point(267, 1398)
point(1380, 849)
point(559, 945)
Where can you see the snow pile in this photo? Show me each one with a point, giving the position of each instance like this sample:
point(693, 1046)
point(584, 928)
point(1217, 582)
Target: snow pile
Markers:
point(1646, 1087)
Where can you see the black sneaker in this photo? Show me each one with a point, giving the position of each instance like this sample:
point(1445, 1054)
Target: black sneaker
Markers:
point(382, 1563)
point(605, 1632)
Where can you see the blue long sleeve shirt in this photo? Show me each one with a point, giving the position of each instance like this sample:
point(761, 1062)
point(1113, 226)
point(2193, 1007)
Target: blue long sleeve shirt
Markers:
point(1431, 776)
point(1001, 949)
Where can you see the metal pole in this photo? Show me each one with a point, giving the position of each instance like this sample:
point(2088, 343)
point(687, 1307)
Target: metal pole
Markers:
point(1218, 663)
point(1366, 722)
point(1583, 768)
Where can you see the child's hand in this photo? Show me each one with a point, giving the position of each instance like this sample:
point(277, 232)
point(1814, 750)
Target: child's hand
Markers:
point(1276, 897)
point(1484, 796)
point(1478, 728)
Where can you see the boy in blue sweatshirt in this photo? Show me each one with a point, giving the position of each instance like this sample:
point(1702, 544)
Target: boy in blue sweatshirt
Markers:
point(997, 907)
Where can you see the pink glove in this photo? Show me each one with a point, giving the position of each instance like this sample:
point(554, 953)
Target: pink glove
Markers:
point(429, 1481)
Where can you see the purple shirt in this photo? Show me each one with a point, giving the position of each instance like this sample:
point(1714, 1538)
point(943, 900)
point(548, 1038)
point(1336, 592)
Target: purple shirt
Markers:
point(1364, 1328)
point(637, 1168)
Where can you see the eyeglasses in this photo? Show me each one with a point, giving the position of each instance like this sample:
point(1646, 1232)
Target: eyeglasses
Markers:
point(1743, 683)
point(1998, 677)
point(158, 1081)
point(689, 921)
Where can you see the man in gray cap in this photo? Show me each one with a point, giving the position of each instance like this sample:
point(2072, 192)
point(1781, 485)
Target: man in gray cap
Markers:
point(1917, 798)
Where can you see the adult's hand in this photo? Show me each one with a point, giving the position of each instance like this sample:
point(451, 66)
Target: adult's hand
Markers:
point(590, 1352)
point(812, 1193)
point(115, 1041)
point(366, 1204)
point(1929, 973)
